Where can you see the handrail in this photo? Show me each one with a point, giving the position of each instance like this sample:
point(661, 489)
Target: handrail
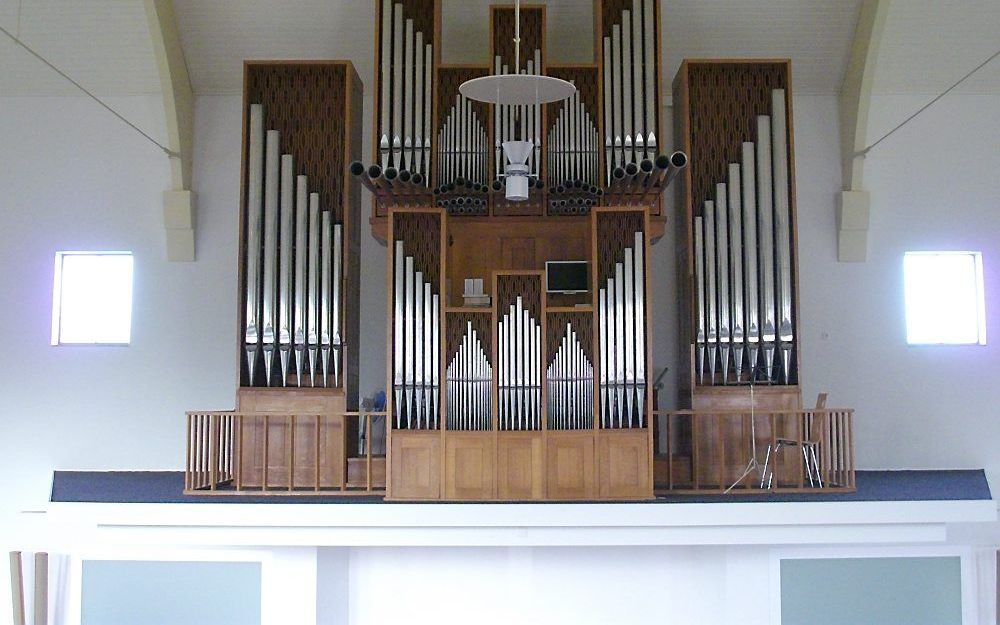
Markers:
point(232, 452)
point(748, 412)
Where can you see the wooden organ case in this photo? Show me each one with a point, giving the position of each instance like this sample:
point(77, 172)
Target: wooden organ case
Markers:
point(535, 395)
point(295, 428)
point(738, 277)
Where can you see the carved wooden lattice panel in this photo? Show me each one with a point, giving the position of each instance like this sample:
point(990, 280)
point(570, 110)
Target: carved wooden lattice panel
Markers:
point(306, 103)
point(725, 100)
point(587, 83)
point(532, 34)
point(615, 231)
point(581, 322)
point(456, 324)
point(529, 287)
point(421, 236)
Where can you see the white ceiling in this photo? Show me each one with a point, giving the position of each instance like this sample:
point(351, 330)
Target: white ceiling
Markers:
point(930, 44)
point(104, 44)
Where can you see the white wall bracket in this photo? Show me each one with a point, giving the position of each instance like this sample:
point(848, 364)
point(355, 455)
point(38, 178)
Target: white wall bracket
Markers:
point(855, 100)
point(178, 107)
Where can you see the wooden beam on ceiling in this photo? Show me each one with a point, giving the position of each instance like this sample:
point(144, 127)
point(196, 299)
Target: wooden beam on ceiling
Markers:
point(178, 106)
point(854, 202)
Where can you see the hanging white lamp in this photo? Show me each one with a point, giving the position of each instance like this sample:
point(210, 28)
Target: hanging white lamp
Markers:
point(519, 90)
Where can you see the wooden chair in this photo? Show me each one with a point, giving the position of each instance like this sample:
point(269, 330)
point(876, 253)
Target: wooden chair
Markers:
point(809, 447)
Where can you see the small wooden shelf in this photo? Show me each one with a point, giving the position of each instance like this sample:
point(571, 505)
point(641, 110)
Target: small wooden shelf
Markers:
point(486, 310)
point(569, 309)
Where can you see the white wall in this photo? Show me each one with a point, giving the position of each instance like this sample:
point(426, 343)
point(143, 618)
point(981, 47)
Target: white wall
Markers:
point(75, 178)
point(934, 186)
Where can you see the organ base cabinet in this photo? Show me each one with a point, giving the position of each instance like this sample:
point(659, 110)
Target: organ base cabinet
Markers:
point(415, 471)
point(520, 466)
point(469, 465)
point(623, 460)
point(570, 465)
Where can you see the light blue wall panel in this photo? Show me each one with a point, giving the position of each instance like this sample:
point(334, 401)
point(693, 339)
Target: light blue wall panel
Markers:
point(170, 593)
point(872, 591)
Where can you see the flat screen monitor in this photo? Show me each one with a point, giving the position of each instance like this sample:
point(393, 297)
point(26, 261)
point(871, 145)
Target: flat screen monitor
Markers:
point(566, 276)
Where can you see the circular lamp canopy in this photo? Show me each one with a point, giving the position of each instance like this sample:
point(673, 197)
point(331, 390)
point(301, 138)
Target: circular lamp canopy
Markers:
point(524, 89)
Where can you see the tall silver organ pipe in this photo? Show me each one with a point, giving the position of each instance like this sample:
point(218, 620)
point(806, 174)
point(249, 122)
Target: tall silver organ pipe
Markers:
point(285, 279)
point(722, 264)
point(272, 151)
point(622, 336)
point(301, 271)
point(416, 345)
point(255, 217)
point(699, 285)
point(782, 214)
point(711, 320)
point(749, 180)
point(294, 268)
point(743, 265)
point(736, 266)
point(765, 231)
point(630, 87)
point(469, 378)
point(519, 363)
point(405, 108)
point(313, 281)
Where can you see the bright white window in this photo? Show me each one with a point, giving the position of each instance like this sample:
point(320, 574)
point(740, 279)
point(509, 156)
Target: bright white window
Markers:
point(92, 298)
point(944, 298)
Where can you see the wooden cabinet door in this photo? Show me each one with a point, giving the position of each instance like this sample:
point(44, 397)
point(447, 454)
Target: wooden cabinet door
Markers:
point(570, 465)
point(520, 460)
point(416, 465)
point(623, 464)
point(469, 465)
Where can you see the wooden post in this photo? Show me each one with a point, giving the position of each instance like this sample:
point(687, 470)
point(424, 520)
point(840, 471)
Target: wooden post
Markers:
point(41, 603)
point(17, 588)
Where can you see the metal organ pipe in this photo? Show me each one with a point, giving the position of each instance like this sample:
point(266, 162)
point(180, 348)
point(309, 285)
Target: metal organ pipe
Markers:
point(285, 283)
point(782, 212)
point(255, 187)
point(272, 151)
point(742, 247)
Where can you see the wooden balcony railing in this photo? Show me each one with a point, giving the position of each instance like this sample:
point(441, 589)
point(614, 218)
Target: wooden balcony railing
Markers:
point(282, 454)
point(713, 452)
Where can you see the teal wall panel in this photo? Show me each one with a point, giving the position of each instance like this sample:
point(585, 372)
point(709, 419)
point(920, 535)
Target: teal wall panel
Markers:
point(119, 592)
point(871, 591)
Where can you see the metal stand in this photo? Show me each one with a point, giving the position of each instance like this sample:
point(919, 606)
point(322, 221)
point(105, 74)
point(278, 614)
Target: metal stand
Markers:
point(753, 466)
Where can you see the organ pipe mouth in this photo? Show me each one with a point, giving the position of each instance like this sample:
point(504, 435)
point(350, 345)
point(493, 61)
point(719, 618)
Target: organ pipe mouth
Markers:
point(679, 159)
point(357, 168)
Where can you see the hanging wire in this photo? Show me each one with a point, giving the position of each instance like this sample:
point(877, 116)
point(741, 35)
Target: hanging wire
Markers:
point(93, 97)
point(928, 105)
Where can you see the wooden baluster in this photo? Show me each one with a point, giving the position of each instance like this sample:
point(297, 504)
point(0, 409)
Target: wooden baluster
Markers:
point(213, 450)
point(316, 444)
point(291, 453)
point(695, 444)
point(720, 431)
point(239, 452)
point(267, 433)
point(670, 455)
point(799, 418)
point(368, 452)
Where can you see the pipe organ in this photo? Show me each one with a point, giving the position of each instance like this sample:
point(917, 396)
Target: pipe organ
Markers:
point(526, 390)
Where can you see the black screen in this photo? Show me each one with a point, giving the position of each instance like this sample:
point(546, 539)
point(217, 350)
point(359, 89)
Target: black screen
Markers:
point(565, 277)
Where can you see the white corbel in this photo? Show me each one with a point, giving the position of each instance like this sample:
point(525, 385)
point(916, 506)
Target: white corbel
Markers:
point(178, 107)
point(853, 203)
